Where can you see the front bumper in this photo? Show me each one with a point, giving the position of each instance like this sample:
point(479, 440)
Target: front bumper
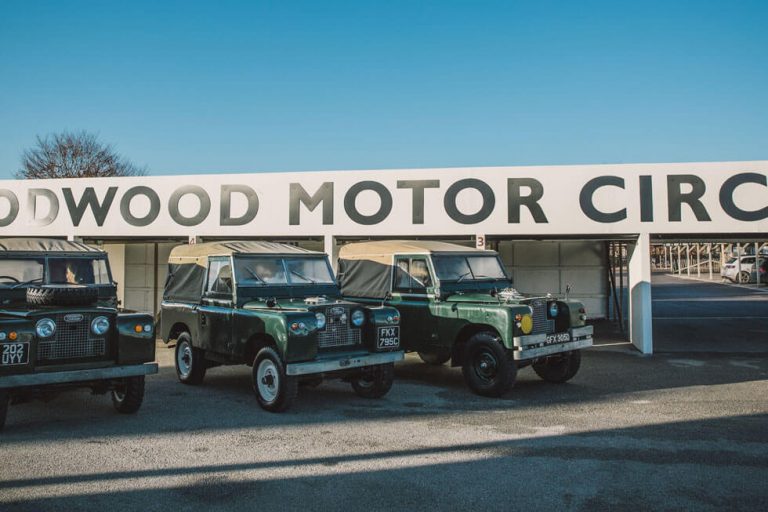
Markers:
point(343, 363)
point(534, 346)
point(112, 372)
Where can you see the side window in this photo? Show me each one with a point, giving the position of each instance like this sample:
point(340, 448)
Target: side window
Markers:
point(420, 278)
point(402, 277)
point(219, 276)
point(412, 275)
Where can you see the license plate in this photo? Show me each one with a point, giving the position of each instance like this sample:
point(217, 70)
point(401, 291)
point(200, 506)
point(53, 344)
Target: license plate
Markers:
point(14, 353)
point(560, 337)
point(389, 337)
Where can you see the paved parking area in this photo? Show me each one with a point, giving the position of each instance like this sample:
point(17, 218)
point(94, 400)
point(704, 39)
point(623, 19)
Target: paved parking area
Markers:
point(627, 433)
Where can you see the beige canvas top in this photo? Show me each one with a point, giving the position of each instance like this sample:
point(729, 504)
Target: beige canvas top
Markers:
point(44, 245)
point(203, 250)
point(384, 250)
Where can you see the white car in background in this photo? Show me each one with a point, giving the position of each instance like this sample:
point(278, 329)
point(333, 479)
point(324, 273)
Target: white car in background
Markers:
point(746, 274)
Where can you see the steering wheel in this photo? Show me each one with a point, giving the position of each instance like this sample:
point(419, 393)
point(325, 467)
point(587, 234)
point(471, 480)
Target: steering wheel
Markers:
point(11, 278)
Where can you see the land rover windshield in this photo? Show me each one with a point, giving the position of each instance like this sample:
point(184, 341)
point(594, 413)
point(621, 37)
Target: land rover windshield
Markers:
point(282, 271)
point(15, 272)
point(461, 268)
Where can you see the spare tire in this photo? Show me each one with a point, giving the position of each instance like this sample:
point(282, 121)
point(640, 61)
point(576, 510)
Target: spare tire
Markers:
point(62, 295)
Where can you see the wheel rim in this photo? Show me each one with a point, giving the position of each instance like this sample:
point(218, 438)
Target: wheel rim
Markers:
point(267, 380)
point(485, 365)
point(184, 359)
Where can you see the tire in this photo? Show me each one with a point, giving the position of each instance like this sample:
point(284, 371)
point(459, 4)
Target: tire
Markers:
point(127, 398)
point(4, 401)
point(560, 368)
point(488, 368)
point(437, 358)
point(62, 295)
point(375, 382)
point(190, 361)
point(274, 390)
point(744, 277)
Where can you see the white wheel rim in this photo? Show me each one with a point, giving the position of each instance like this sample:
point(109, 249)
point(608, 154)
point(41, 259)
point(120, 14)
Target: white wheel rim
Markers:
point(184, 359)
point(267, 380)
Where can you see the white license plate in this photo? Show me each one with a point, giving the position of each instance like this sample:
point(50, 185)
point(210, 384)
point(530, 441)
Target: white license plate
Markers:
point(389, 337)
point(560, 337)
point(14, 353)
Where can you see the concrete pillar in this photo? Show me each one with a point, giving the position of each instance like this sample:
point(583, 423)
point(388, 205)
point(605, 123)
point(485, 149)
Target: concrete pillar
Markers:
point(332, 250)
point(709, 259)
point(688, 260)
point(640, 312)
point(679, 259)
point(698, 261)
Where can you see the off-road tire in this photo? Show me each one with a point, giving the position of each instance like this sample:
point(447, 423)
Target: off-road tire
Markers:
point(195, 357)
point(61, 295)
point(128, 397)
point(275, 390)
point(500, 371)
point(375, 382)
point(559, 368)
point(437, 358)
point(4, 401)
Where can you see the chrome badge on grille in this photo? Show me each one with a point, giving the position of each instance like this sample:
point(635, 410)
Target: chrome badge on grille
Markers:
point(337, 311)
point(73, 317)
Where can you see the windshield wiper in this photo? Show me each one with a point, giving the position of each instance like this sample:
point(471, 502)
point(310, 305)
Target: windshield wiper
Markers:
point(303, 276)
point(24, 283)
point(254, 274)
point(462, 276)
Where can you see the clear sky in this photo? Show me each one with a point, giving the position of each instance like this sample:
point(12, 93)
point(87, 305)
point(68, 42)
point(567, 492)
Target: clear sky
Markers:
point(239, 86)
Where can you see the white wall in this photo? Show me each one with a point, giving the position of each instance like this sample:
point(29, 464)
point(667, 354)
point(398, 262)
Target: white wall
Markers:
point(548, 267)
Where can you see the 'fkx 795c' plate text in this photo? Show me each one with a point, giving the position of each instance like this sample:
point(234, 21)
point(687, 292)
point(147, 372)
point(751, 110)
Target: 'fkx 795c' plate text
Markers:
point(389, 337)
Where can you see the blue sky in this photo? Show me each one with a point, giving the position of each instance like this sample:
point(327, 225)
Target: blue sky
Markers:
point(226, 86)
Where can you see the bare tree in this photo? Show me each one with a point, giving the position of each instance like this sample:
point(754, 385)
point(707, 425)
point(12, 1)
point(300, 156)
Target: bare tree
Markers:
point(74, 155)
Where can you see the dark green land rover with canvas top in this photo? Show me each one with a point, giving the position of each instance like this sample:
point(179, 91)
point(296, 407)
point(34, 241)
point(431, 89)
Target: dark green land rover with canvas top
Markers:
point(60, 327)
point(458, 303)
point(276, 307)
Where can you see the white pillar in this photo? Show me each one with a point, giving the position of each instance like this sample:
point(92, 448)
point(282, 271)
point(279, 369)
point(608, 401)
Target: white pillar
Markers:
point(709, 258)
point(640, 313)
point(332, 250)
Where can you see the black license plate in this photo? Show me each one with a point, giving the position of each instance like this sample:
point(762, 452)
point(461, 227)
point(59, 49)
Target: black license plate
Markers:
point(558, 337)
point(14, 353)
point(389, 337)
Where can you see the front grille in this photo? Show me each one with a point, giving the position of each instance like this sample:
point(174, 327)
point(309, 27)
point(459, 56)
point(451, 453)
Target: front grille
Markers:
point(541, 324)
point(338, 331)
point(72, 340)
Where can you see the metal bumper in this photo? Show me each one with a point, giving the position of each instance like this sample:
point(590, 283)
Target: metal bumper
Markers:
point(531, 347)
point(343, 363)
point(112, 372)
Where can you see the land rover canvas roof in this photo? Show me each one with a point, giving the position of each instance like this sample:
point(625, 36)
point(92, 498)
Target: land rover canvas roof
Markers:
point(228, 248)
point(378, 250)
point(45, 245)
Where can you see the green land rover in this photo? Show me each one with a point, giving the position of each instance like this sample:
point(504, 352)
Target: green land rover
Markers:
point(60, 327)
point(457, 303)
point(277, 308)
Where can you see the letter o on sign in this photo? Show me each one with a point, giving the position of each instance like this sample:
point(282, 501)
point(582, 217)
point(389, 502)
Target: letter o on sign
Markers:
point(154, 206)
point(13, 210)
point(351, 208)
point(202, 213)
point(489, 201)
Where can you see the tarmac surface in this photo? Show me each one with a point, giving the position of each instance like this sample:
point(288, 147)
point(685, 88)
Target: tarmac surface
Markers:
point(669, 432)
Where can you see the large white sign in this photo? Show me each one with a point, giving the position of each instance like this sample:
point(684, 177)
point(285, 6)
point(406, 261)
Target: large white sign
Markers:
point(695, 198)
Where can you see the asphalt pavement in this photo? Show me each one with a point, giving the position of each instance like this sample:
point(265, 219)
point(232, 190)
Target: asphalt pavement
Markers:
point(676, 431)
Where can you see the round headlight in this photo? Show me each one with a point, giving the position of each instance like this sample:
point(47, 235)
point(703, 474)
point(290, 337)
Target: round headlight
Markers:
point(99, 325)
point(358, 318)
point(45, 328)
point(148, 328)
point(2, 336)
point(553, 309)
point(320, 319)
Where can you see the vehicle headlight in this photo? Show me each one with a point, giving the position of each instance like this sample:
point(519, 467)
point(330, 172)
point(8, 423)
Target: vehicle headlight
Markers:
point(148, 328)
point(553, 309)
point(526, 324)
point(358, 318)
point(99, 325)
point(320, 319)
point(45, 328)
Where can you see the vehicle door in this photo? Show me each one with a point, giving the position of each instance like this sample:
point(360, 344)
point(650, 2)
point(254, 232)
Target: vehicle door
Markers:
point(412, 291)
point(215, 312)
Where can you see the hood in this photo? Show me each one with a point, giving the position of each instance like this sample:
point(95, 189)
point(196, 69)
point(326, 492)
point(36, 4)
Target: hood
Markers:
point(484, 298)
point(300, 304)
